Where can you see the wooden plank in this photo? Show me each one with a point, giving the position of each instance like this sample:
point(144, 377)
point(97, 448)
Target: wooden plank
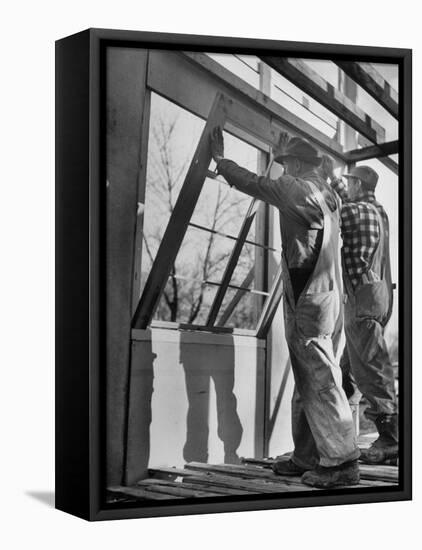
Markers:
point(373, 83)
point(139, 493)
point(164, 473)
point(249, 472)
point(176, 489)
point(225, 476)
point(372, 151)
point(195, 484)
point(305, 78)
point(221, 484)
point(203, 78)
point(257, 486)
point(178, 223)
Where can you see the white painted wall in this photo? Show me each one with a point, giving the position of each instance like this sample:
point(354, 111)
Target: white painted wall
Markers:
point(172, 370)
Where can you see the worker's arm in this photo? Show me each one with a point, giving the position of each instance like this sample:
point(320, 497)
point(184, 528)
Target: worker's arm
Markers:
point(326, 170)
point(259, 187)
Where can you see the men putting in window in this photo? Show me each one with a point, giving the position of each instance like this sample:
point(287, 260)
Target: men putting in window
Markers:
point(325, 449)
point(369, 290)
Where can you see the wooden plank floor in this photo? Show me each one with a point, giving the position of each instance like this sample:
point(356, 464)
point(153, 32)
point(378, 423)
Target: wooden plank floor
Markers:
point(253, 476)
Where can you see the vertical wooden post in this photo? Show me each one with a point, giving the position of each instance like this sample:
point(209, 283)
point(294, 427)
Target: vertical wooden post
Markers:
point(262, 257)
point(137, 262)
point(261, 220)
point(126, 78)
point(348, 137)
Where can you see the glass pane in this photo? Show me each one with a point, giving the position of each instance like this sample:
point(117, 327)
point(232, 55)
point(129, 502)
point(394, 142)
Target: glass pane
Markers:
point(185, 301)
point(246, 312)
point(221, 207)
point(173, 137)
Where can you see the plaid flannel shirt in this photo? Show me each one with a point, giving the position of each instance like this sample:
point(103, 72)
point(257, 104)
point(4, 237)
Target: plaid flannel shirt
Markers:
point(360, 230)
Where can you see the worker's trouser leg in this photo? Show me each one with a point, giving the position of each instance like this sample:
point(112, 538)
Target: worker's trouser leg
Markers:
point(370, 364)
point(322, 419)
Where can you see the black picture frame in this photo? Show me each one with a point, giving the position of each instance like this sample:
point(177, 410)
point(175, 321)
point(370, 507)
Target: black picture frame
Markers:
point(80, 279)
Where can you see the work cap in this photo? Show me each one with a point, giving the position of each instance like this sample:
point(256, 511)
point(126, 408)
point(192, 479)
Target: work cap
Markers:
point(299, 148)
point(365, 174)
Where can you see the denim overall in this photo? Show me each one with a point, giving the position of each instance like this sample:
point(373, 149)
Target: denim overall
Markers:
point(322, 424)
point(366, 313)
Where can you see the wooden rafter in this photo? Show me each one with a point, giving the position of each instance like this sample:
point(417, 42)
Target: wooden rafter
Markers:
point(372, 151)
point(309, 81)
point(373, 83)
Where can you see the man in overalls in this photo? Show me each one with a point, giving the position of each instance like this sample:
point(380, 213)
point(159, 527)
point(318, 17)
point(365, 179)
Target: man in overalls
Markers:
point(369, 290)
point(325, 450)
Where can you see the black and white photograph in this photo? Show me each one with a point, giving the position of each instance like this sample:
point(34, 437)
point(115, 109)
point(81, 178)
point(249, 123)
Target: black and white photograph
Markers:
point(252, 275)
point(210, 275)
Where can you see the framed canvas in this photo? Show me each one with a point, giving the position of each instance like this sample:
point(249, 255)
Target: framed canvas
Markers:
point(233, 274)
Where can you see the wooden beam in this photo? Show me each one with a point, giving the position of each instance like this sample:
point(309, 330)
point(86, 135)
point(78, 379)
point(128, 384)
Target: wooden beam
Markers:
point(305, 78)
point(179, 220)
point(386, 161)
point(373, 152)
point(191, 80)
point(373, 83)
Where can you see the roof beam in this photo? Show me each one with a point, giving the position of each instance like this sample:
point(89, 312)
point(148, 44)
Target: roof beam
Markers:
point(310, 82)
point(373, 83)
point(372, 152)
point(386, 161)
point(203, 78)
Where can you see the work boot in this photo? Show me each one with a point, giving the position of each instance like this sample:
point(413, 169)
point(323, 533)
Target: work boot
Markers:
point(334, 476)
point(386, 446)
point(284, 466)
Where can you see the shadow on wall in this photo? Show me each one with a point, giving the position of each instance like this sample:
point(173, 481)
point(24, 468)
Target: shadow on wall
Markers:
point(169, 420)
point(200, 368)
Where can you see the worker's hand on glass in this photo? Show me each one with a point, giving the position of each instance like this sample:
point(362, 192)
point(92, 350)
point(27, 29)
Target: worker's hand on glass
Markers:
point(281, 147)
point(217, 144)
point(326, 168)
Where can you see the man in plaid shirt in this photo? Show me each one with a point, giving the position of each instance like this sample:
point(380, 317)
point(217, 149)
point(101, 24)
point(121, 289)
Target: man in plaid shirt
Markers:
point(368, 287)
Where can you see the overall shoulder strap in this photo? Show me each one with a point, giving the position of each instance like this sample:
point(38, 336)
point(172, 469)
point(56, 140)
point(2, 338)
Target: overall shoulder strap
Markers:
point(383, 242)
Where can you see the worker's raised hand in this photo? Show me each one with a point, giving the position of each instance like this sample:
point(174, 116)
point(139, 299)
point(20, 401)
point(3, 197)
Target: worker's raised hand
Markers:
point(217, 144)
point(326, 168)
point(281, 147)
